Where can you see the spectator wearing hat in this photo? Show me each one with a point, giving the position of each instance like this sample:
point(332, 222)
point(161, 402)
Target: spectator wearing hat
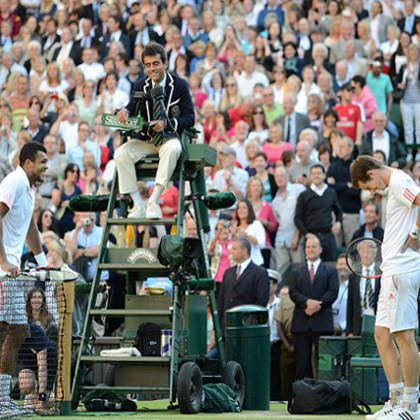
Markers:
point(349, 115)
point(230, 177)
point(272, 306)
point(381, 86)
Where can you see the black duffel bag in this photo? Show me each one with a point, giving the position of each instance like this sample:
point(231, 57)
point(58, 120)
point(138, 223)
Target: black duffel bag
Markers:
point(311, 396)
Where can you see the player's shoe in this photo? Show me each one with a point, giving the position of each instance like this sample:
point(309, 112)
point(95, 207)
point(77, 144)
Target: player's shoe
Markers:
point(401, 412)
point(386, 410)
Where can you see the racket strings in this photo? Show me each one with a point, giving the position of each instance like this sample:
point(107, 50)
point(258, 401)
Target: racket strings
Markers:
point(364, 257)
point(39, 309)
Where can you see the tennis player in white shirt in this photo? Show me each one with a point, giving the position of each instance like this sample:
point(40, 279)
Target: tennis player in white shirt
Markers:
point(397, 316)
point(17, 200)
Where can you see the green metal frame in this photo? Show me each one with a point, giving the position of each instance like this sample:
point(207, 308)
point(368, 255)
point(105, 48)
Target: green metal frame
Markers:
point(189, 169)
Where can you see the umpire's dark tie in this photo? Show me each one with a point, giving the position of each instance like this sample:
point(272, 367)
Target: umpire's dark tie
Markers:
point(157, 139)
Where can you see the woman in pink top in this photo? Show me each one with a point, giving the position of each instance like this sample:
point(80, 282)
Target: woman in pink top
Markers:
point(264, 213)
point(275, 145)
point(219, 251)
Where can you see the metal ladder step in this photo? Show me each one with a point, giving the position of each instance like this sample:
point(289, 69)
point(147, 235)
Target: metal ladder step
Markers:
point(118, 360)
point(147, 270)
point(129, 312)
point(145, 222)
point(125, 388)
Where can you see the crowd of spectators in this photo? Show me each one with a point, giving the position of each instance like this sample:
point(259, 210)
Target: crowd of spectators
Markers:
point(288, 92)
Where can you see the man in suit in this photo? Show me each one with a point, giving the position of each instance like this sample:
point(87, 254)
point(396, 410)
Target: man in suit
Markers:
point(363, 292)
point(67, 48)
point(338, 51)
point(292, 122)
point(243, 284)
point(313, 290)
point(379, 22)
point(161, 136)
point(382, 139)
point(115, 34)
point(51, 37)
point(409, 21)
point(141, 33)
point(371, 228)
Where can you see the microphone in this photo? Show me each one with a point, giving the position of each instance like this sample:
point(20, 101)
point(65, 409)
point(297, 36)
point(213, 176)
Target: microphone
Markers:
point(157, 93)
point(220, 200)
point(139, 98)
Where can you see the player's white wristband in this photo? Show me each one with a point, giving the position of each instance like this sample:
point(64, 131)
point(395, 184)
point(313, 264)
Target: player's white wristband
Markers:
point(41, 260)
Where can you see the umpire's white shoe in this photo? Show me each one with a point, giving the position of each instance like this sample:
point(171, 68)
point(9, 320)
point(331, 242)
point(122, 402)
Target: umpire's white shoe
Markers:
point(386, 410)
point(153, 210)
point(137, 212)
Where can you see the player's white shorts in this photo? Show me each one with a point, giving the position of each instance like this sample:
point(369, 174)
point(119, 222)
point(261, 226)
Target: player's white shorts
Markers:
point(397, 304)
point(13, 302)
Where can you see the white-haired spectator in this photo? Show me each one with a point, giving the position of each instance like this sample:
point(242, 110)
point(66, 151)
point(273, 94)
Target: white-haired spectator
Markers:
point(240, 137)
point(292, 122)
point(6, 35)
point(67, 48)
point(311, 137)
point(340, 77)
point(300, 170)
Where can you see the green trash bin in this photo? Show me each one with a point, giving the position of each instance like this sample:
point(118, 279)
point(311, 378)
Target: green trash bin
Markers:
point(247, 333)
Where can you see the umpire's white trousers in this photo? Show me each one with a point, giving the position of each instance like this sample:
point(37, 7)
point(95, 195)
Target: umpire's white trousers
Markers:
point(134, 150)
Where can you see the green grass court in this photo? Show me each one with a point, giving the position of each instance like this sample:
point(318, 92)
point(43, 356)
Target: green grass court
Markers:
point(153, 410)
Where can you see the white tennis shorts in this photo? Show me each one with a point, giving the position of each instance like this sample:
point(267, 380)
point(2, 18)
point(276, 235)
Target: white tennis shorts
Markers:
point(398, 300)
point(13, 302)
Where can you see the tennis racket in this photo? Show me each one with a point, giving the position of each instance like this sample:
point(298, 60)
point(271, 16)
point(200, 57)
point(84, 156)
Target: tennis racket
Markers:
point(364, 257)
point(47, 274)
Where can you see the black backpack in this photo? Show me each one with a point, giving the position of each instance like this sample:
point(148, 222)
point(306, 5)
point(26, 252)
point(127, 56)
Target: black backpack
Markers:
point(311, 396)
point(147, 339)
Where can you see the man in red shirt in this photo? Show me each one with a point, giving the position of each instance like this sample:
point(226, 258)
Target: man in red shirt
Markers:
point(349, 115)
point(242, 112)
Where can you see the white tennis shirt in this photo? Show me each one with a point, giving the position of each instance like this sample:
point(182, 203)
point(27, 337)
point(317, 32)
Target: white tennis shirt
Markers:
point(17, 194)
point(401, 217)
